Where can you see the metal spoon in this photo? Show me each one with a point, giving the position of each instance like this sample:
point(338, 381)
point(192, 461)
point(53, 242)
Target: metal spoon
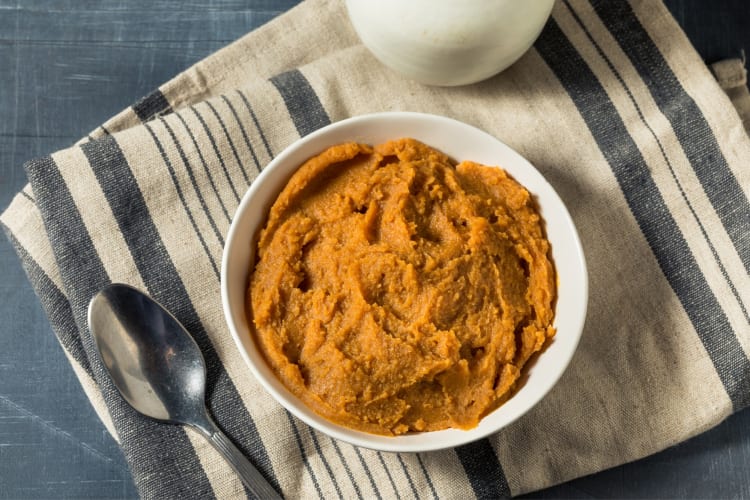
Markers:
point(159, 369)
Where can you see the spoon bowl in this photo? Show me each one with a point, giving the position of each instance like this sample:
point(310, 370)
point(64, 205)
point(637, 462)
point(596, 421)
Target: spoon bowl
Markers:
point(160, 373)
point(159, 370)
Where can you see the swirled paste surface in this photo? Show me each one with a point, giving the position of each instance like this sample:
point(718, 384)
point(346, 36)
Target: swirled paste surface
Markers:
point(395, 291)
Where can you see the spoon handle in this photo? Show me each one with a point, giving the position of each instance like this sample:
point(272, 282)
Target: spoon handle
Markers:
point(251, 478)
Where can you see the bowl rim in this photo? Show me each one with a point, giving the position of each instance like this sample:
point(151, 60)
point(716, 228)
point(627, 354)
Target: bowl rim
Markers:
point(443, 439)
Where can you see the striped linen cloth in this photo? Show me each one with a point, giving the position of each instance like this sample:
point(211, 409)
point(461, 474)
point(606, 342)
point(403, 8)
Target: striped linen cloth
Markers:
point(612, 105)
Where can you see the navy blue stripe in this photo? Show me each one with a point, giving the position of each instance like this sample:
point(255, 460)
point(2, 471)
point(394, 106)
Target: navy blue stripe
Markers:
point(207, 170)
point(183, 201)
point(230, 141)
point(689, 125)
point(347, 469)
point(216, 151)
point(303, 455)
point(242, 129)
point(676, 179)
point(651, 213)
point(408, 476)
point(303, 104)
point(55, 304)
point(154, 104)
point(180, 472)
point(164, 284)
point(325, 462)
point(483, 470)
point(368, 473)
point(27, 196)
point(387, 472)
point(191, 176)
point(427, 477)
point(257, 124)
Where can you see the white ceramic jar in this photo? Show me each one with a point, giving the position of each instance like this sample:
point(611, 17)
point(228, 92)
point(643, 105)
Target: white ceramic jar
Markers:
point(448, 42)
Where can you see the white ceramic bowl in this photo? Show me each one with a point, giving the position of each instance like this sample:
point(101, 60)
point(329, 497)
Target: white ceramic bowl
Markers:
point(448, 42)
point(461, 142)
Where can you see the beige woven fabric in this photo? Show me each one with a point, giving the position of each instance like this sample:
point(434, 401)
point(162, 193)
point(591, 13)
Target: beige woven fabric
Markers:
point(612, 105)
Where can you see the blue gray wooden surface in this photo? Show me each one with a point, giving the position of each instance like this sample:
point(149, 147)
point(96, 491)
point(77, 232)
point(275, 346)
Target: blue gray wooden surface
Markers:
point(65, 67)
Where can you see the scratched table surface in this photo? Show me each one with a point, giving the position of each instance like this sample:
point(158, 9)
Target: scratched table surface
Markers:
point(65, 67)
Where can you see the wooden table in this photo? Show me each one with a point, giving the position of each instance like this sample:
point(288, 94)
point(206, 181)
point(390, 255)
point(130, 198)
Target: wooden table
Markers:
point(66, 66)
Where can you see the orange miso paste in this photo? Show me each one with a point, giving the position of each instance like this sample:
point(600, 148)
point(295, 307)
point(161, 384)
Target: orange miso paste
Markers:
point(395, 291)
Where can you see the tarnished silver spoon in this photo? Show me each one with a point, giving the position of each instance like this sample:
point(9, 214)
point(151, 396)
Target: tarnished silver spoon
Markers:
point(159, 369)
